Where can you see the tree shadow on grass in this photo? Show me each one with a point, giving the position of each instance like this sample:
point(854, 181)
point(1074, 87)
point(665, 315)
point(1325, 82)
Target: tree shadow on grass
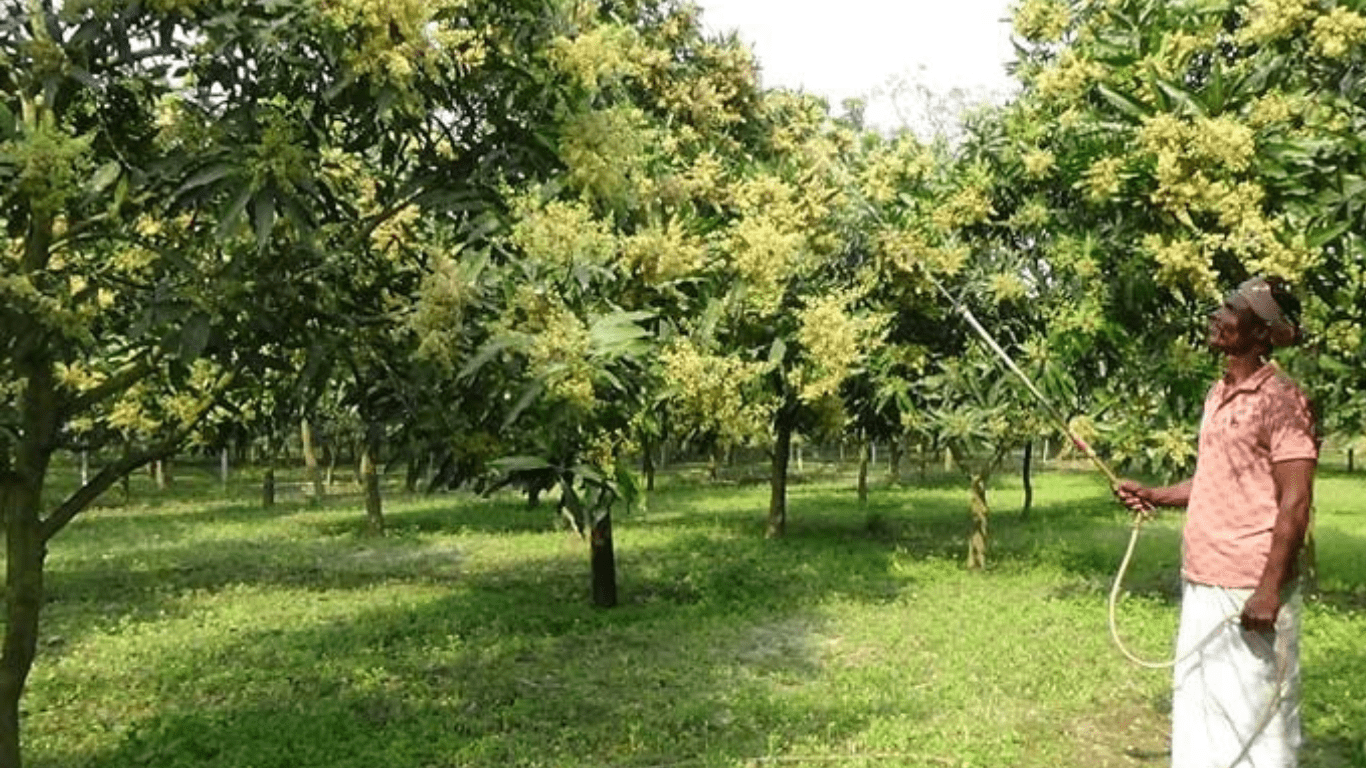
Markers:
point(705, 659)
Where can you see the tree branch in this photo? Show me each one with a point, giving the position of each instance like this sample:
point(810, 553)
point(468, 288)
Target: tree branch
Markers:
point(105, 479)
point(117, 382)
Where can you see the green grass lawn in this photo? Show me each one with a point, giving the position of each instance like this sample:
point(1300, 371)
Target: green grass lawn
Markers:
point(201, 631)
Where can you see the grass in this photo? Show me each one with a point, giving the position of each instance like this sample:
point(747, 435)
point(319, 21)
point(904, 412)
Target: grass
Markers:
point(197, 630)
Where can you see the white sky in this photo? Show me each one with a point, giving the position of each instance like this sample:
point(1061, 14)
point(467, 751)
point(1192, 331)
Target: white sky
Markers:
point(853, 48)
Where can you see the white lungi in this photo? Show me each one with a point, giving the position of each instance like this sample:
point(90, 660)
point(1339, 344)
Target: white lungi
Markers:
point(1228, 682)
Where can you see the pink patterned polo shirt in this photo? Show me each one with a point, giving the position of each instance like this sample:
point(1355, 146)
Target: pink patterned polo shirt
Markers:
point(1233, 506)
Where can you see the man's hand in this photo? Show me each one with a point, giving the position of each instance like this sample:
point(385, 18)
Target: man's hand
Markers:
point(1260, 610)
point(1136, 497)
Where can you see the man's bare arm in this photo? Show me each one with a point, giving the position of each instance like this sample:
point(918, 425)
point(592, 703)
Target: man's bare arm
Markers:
point(1294, 495)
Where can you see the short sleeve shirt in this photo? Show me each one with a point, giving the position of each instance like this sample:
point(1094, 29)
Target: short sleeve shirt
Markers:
point(1233, 503)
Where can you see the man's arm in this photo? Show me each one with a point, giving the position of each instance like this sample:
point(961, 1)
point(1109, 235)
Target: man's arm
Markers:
point(1294, 494)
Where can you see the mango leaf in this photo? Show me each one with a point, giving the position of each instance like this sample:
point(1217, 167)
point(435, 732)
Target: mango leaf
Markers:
point(617, 334)
point(264, 217)
point(1123, 103)
point(106, 174)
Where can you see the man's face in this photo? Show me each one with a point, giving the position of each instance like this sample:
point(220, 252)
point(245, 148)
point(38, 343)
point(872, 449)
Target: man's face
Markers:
point(1233, 327)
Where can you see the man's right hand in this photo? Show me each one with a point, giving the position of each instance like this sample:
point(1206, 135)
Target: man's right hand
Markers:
point(1135, 496)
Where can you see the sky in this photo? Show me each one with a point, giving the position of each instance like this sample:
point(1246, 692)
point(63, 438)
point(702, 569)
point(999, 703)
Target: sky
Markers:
point(856, 48)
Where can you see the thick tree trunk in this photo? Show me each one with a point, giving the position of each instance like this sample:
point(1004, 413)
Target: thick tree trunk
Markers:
point(777, 500)
point(24, 552)
point(895, 451)
point(978, 535)
point(311, 461)
point(223, 468)
point(1025, 476)
point(864, 459)
point(1350, 457)
point(374, 510)
point(603, 561)
point(21, 498)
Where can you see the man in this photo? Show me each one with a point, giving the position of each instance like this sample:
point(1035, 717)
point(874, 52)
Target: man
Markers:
point(1236, 680)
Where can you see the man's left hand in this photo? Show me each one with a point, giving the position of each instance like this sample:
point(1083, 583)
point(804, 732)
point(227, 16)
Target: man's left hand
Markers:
point(1259, 612)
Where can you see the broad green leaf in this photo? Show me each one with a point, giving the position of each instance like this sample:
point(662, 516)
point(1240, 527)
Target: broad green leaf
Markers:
point(106, 174)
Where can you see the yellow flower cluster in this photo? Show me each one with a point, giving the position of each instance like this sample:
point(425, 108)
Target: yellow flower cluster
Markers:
point(1182, 265)
point(560, 234)
point(1272, 108)
point(891, 167)
point(607, 152)
point(1337, 32)
point(662, 253)
point(764, 253)
point(706, 100)
point(1068, 78)
point(1103, 179)
point(1041, 21)
point(280, 157)
point(391, 233)
point(969, 205)
point(1271, 20)
point(52, 164)
point(713, 393)
point(1032, 214)
point(558, 357)
point(833, 343)
point(1343, 338)
point(704, 179)
point(605, 448)
point(1037, 162)
point(1178, 46)
point(394, 36)
point(907, 251)
point(601, 56)
point(1007, 287)
point(438, 316)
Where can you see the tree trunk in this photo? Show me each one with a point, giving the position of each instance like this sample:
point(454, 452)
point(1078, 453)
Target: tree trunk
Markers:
point(647, 463)
point(85, 466)
point(161, 472)
point(374, 511)
point(330, 459)
point(311, 461)
point(1028, 486)
point(24, 552)
point(864, 459)
point(1350, 456)
point(603, 561)
point(895, 451)
point(223, 467)
point(21, 498)
point(777, 501)
point(980, 512)
point(268, 485)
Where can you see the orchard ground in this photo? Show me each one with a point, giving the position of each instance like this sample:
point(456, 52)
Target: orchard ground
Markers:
point(192, 628)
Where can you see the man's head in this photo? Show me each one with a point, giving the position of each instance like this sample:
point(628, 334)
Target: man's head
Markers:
point(1260, 314)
